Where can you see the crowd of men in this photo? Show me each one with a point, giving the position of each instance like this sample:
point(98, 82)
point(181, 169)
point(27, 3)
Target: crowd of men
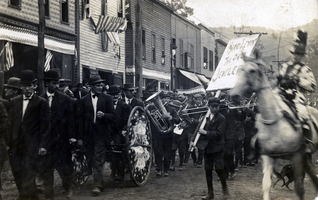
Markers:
point(41, 131)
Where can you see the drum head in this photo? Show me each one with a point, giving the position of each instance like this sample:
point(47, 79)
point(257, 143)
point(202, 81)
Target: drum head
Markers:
point(139, 145)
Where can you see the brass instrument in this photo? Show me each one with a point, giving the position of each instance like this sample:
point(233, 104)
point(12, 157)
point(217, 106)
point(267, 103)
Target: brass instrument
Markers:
point(193, 111)
point(155, 109)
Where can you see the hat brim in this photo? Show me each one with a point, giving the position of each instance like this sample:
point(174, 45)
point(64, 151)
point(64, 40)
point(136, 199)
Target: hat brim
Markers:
point(27, 82)
point(11, 86)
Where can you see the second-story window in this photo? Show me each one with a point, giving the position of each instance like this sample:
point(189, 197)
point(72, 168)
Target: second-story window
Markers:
point(181, 53)
point(15, 3)
point(191, 56)
point(104, 7)
point(120, 8)
point(211, 60)
point(64, 11)
point(143, 44)
point(153, 47)
point(163, 54)
point(205, 57)
point(47, 8)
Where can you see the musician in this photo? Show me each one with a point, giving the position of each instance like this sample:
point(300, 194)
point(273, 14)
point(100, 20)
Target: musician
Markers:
point(212, 142)
point(163, 141)
point(122, 111)
point(96, 113)
point(194, 123)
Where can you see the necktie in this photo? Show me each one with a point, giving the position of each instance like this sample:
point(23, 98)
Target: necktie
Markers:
point(94, 95)
point(50, 98)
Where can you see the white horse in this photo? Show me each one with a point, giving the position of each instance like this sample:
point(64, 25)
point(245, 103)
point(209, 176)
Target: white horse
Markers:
point(279, 131)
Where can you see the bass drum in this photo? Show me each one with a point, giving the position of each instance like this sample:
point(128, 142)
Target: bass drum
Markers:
point(139, 145)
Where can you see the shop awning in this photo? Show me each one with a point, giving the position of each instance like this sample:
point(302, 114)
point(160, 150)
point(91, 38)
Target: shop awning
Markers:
point(29, 37)
point(203, 79)
point(152, 74)
point(191, 76)
point(199, 89)
point(109, 24)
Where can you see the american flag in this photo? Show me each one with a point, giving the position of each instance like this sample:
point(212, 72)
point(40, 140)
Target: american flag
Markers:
point(48, 58)
point(9, 56)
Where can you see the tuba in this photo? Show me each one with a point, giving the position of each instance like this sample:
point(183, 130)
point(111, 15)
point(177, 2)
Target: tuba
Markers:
point(155, 109)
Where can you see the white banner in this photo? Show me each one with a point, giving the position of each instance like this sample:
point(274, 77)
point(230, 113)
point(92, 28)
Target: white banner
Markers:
point(225, 75)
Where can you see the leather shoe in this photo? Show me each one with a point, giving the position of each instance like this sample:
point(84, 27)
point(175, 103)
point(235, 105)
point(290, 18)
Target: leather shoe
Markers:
point(209, 196)
point(69, 193)
point(96, 191)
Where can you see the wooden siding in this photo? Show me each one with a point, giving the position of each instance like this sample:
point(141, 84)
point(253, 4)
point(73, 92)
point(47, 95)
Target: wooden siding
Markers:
point(29, 12)
point(91, 53)
point(155, 20)
point(190, 34)
point(207, 41)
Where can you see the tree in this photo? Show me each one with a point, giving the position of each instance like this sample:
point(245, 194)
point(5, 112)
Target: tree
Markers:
point(179, 6)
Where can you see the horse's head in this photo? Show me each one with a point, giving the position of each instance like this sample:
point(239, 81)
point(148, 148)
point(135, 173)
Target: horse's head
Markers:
point(250, 79)
point(306, 79)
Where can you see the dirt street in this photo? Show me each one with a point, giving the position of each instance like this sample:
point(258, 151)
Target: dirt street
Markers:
point(180, 185)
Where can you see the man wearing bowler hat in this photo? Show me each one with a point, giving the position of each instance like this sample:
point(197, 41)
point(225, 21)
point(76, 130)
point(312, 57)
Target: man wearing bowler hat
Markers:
point(11, 90)
point(129, 96)
point(29, 140)
point(96, 113)
point(63, 135)
point(122, 111)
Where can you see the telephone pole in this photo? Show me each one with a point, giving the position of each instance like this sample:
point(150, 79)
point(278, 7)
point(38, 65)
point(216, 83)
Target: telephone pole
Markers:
point(138, 53)
point(41, 47)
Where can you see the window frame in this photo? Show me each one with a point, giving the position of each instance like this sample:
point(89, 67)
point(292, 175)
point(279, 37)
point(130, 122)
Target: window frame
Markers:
point(62, 13)
point(191, 47)
point(163, 52)
point(15, 6)
point(205, 56)
point(153, 47)
point(143, 44)
point(210, 60)
point(181, 53)
point(47, 8)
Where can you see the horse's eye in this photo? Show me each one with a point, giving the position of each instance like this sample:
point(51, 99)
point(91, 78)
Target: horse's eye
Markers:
point(252, 71)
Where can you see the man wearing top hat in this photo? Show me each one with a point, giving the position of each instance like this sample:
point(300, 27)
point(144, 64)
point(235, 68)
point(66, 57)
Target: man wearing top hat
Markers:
point(129, 96)
point(63, 135)
point(30, 136)
point(122, 111)
point(96, 113)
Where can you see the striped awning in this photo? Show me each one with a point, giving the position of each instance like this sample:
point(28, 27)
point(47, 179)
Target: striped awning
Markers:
point(29, 37)
point(109, 23)
point(191, 76)
point(113, 36)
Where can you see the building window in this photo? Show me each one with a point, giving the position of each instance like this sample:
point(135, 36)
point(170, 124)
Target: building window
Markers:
point(211, 60)
point(47, 8)
point(216, 58)
point(15, 3)
point(64, 10)
point(143, 44)
point(104, 7)
point(120, 8)
point(191, 56)
point(181, 53)
point(153, 47)
point(127, 10)
point(163, 54)
point(205, 57)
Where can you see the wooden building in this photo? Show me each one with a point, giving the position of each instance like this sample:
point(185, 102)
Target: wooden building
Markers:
point(19, 25)
point(101, 41)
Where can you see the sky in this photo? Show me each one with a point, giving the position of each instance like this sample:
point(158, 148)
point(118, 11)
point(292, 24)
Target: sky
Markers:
point(274, 14)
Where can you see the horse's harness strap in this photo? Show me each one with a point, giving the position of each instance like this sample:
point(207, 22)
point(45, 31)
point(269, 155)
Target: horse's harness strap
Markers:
point(273, 121)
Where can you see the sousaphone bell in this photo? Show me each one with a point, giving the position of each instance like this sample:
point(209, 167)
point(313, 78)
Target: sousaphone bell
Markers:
point(155, 110)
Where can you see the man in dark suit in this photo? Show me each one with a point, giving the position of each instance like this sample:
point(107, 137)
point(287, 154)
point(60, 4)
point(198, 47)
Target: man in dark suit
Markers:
point(122, 111)
point(30, 136)
point(212, 141)
point(129, 96)
point(63, 135)
point(11, 90)
point(4, 126)
point(96, 113)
